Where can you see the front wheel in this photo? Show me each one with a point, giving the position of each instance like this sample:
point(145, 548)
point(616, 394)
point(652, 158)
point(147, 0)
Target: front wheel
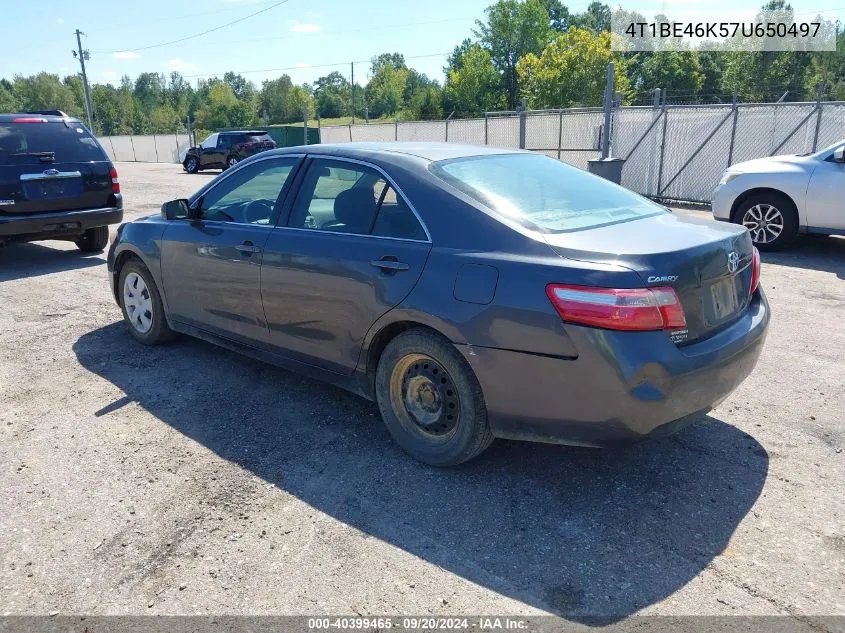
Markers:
point(93, 240)
point(771, 218)
point(192, 165)
point(141, 303)
point(231, 161)
point(430, 400)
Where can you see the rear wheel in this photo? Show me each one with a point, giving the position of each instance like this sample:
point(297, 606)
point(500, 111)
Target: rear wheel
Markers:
point(192, 165)
point(771, 218)
point(430, 400)
point(231, 161)
point(93, 240)
point(141, 303)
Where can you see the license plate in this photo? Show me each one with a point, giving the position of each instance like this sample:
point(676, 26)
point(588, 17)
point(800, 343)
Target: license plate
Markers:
point(53, 189)
point(725, 299)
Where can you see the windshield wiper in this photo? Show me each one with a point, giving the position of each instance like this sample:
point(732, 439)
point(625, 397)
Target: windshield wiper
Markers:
point(44, 157)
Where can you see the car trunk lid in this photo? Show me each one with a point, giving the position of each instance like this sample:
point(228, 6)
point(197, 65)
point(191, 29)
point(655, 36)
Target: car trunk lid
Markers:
point(48, 166)
point(709, 265)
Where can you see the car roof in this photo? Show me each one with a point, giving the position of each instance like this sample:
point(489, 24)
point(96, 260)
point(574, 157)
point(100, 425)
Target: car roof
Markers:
point(10, 117)
point(427, 151)
point(243, 132)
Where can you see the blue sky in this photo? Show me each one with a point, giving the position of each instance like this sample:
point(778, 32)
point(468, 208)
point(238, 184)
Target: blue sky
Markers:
point(302, 37)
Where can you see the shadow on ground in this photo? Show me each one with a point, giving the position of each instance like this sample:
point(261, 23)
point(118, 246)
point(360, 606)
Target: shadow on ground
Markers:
point(590, 535)
point(19, 261)
point(825, 254)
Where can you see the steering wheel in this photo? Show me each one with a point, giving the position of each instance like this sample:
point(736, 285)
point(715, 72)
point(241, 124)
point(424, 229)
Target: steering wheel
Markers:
point(258, 210)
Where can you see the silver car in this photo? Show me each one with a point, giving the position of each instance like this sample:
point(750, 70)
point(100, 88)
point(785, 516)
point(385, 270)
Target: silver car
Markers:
point(779, 197)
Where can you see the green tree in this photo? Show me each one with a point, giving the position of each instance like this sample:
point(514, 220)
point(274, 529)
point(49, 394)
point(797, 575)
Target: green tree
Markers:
point(514, 29)
point(559, 16)
point(572, 71)
point(333, 95)
point(106, 104)
point(386, 89)
point(456, 58)
point(677, 72)
point(45, 91)
point(243, 88)
point(596, 18)
point(273, 99)
point(298, 98)
point(8, 98)
point(828, 69)
point(474, 87)
point(149, 90)
point(163, 119)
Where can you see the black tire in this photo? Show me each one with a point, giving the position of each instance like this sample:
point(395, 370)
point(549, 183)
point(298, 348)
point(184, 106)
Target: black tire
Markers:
point(191, 164)
point(231, 161)
point(160, 331)
point(764, 202)
point(420, 359)
point(93, 240)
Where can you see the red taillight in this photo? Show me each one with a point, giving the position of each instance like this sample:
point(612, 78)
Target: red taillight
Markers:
point(29, 119)
point(115, 183)
point(755, 269)
point(636, 309)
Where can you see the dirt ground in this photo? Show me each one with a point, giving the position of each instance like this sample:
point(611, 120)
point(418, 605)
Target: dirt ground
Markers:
point(186, 479)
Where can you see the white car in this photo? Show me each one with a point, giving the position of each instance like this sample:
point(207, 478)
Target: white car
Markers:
point(779, 197)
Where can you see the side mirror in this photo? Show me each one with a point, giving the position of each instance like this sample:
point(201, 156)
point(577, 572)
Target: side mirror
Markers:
point(839, 154)
point(176, 210)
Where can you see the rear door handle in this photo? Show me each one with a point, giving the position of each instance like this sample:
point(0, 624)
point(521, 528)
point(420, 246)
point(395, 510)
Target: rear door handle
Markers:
point(390, 265)
point(248, 247)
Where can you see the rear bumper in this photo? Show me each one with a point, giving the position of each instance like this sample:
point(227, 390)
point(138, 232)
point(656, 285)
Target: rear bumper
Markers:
point(44, 226)
point(623, 386)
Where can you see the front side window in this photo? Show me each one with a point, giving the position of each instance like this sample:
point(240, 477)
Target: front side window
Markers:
point(249, 195)
point(543, 193)
point(210, 142)
point(349, 198)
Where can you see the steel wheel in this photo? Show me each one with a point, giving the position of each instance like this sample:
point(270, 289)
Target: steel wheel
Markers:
point(191, 165)
point(765, 223)
point(425, 394)
point(138, 303)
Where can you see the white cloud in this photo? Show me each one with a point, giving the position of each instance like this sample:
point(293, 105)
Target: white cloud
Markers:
point(304, 27)
point(125, 55)
point(312, 14)
point(60, 20)
point(180, 64)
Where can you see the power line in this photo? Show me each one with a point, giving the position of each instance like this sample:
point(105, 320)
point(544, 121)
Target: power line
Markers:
point(196, 35)
point(307, 67)
point(173, 18)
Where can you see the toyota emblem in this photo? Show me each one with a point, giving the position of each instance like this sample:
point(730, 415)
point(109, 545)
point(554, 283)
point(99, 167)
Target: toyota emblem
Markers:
point(733, 262)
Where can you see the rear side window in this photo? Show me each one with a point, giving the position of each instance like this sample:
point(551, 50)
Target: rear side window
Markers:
point(46, 142)
point(543, 193)
point(254, 138)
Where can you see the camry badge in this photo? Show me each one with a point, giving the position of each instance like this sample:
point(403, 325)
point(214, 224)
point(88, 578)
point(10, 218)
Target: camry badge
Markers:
point(655, 279)
point(733, 262)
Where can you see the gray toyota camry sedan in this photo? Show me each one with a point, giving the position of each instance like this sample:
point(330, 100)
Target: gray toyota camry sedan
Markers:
point(472, 292)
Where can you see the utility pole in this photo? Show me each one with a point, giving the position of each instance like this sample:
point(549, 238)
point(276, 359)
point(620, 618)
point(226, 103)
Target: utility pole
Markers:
point(83, 55)
point(353, 93)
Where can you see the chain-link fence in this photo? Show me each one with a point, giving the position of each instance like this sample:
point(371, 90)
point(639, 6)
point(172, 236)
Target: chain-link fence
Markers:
point(672, 152)
point(147, 148)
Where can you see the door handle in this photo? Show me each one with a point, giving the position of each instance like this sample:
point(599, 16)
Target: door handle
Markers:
point(248, 247)
point(391, 265)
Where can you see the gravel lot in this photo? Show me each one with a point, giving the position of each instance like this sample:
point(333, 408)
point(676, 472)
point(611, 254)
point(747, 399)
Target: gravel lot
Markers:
point(187, 479)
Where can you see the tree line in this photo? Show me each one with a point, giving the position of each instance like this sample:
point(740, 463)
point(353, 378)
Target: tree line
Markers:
point(535, 50)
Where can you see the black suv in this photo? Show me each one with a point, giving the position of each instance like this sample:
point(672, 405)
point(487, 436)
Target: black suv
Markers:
point(224, 149)
point(56, 182)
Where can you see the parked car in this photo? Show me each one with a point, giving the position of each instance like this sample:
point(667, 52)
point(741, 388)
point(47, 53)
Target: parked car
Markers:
point(779, 197)
point(471, 292)
point(225, 149)
point(56, 182)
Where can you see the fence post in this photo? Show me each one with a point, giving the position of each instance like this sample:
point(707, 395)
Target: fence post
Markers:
point(522, 108)
point(134, 157)
point(447, 130)
point(486, 123)
point(396, 130)
point(305, 124)
point(560, 135)
point(112, 148)
point(155, 146)
point(819, 115)
point(662, 150)
point(733, 133)
point(350, 132)
point(655, 103)
point(608, 104)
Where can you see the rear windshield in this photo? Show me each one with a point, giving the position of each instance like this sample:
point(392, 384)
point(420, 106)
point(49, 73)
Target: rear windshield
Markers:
point(46, 142)
point(543, 193)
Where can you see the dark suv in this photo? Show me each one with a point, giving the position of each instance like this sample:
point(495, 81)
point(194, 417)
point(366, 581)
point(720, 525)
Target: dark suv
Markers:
point(56, 182)
point(224, 149)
